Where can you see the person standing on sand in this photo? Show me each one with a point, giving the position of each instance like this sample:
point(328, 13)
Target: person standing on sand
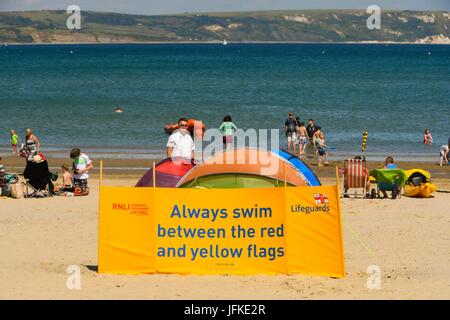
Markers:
point(32, 145)
point(443, 154)
point(80, 167)
point(227, 128)
point(290, 128)
point(180, 143)
point(427, 137)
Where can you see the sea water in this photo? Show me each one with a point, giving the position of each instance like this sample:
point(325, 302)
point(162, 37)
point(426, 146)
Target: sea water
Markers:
point(67, 94)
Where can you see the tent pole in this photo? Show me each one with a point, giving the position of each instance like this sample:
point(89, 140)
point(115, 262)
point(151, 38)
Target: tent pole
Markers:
point(154, 175)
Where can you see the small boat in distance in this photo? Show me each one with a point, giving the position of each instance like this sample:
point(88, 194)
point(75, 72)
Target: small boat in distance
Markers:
point(118, 110)
point(225, 42)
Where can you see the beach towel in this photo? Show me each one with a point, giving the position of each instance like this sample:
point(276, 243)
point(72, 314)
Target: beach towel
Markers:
point(389, 179)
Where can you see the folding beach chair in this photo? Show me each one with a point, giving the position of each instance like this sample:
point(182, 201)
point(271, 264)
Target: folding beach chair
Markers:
point(31, 191)
point(389, 180)
point(355, 177)
point(38, 180)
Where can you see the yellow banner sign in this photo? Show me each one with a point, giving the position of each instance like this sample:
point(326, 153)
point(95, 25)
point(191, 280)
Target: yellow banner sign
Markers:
point(221, 231)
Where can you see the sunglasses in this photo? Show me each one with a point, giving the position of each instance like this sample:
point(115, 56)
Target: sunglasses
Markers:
point(183, 125)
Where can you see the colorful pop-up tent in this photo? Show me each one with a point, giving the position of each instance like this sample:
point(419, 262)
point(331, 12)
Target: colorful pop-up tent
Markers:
point(168, 173)
point(248, 168)
point(308, 175)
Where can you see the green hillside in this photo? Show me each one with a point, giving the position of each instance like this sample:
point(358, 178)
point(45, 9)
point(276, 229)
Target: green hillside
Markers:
point(280, 26)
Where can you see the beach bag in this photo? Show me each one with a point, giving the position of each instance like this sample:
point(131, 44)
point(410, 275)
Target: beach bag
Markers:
point(15, 191)
point(416, 179)
point(11, 178)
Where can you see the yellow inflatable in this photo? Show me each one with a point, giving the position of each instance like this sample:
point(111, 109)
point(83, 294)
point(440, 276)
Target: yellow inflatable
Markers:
point(419, 184)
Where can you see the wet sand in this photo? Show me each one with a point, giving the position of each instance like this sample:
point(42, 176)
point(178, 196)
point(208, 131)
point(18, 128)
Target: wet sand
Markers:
point(140, 166)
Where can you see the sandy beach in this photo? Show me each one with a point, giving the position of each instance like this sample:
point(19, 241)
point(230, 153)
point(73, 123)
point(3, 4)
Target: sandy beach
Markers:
point(407, 238)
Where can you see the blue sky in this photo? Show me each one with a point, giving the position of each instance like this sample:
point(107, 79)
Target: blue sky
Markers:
point(180, 6)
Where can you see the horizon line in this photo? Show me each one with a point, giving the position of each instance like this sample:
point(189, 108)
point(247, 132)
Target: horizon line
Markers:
point(224, 12)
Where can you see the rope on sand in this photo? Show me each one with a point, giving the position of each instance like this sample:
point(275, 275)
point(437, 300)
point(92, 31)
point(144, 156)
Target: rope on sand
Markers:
point(369, 251)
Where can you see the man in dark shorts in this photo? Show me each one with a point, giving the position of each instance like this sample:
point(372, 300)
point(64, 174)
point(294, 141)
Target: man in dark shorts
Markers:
point(311, 129)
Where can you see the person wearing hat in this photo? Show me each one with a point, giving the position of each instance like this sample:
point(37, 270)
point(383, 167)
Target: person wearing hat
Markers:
point(80, 167)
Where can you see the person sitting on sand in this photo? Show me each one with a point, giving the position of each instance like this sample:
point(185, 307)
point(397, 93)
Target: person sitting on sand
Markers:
point(227, 128)
point(427, 137)
point(321, 149)
point(389, 163)
point(444, 154)
point(80, 167)
point(14, 140)
point(67, 181)
point(180, 143)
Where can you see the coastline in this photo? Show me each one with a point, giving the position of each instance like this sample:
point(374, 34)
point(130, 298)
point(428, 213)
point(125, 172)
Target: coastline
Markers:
point(220, 42)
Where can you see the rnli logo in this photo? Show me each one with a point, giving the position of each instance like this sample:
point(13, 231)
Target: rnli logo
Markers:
point(320, 205)
point(320, 198)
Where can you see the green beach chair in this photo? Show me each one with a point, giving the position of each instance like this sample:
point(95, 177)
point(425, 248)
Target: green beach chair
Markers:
point(389, 180)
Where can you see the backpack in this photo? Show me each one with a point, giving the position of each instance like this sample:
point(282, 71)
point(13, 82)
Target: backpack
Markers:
point(291, 126)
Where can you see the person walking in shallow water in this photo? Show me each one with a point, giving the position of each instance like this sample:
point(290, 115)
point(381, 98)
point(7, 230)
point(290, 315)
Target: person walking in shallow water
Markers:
point(290, 128)
point(14, 140)
point(227, 128)
point(302, 138)
point(427, 137)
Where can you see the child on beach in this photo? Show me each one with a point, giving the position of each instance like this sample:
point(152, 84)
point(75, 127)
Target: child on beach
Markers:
point(321, 149)
point(302, 138)
point(14, 139)
point(227, 128)
point(67, 187)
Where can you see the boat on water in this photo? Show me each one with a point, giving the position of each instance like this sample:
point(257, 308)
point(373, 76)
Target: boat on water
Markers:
point(225, 42)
